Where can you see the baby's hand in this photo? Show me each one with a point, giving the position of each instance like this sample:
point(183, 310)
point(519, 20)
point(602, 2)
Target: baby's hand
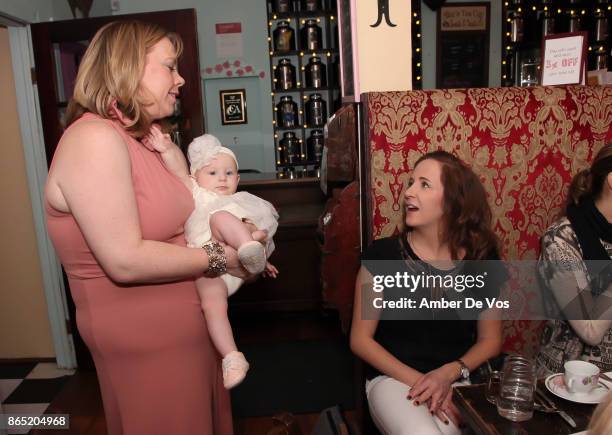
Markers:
point(159, 141)
point(270, 271)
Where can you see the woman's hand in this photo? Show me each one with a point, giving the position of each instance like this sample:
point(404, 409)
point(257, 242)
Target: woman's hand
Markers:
point(434, 386)
point(233, 265)
point(447, 410)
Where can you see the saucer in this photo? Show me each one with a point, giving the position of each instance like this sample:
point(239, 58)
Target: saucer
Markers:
point(556, 385)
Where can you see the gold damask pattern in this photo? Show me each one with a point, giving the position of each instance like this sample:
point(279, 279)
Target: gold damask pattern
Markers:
point(524, 143)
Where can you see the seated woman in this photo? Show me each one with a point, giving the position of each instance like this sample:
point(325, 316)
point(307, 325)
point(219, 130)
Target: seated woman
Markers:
point(573, 250)
point(413, 364)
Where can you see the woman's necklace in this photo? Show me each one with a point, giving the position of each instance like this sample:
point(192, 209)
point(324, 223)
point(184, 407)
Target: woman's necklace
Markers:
point(413, 247)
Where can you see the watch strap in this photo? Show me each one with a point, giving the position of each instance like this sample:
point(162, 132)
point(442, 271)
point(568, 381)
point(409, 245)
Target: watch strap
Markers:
point(465, 371)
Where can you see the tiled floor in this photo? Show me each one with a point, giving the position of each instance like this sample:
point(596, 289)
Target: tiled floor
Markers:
point(28, 388)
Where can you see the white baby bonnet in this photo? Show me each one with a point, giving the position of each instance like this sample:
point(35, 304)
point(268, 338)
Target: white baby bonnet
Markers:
point(203, 149)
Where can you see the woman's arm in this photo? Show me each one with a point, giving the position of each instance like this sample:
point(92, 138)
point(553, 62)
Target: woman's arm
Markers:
point(488, 343)
point(433, 387)
point(362, 337)
point(92, 177)
point(564, 273)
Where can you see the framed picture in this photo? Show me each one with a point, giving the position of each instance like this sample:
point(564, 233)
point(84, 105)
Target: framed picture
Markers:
point(564, 59)
point(233, 106)
point(462, 54)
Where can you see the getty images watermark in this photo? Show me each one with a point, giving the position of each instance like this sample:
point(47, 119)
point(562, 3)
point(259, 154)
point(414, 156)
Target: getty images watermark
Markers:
point(467, 290)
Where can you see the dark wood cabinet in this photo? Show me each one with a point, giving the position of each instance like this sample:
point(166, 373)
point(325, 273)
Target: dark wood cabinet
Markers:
point(297, 255)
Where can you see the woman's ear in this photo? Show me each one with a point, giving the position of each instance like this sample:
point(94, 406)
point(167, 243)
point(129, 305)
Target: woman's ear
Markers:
point(609, 180)
point(118, 114)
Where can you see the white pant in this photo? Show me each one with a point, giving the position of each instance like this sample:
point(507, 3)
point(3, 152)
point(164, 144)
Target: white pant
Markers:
point(394, 414)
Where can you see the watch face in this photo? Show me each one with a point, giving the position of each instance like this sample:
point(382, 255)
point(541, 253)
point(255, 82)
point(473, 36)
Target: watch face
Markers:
point(465, 373)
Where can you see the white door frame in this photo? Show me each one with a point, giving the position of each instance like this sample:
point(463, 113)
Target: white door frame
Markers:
point(36, 168)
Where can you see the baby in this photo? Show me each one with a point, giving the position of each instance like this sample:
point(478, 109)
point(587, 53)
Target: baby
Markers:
point(221, 214)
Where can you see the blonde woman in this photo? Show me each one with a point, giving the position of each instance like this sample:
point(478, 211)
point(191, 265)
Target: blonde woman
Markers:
point(115, 215)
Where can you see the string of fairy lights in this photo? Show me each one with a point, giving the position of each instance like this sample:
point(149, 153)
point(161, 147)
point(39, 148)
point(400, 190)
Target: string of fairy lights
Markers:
point(417, 48)
point(526, 22)
point(300, 19)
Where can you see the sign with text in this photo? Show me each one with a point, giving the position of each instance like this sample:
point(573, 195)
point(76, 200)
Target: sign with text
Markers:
point(463, 18)
point(564, 59)
point(462, 54)
point(233, 106)
point(228, 40)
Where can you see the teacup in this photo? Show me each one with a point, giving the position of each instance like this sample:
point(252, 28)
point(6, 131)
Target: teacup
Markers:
point(580, 377)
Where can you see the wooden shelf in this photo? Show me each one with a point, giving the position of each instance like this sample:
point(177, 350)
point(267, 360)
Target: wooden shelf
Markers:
point(302, 53)
point(329, 25)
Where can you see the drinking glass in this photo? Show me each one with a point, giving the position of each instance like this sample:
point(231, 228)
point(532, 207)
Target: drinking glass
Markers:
point(492, 391)
point(529, 73)
point(515, 401)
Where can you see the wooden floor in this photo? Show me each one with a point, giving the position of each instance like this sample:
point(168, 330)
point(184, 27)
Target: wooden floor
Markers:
point(81, 396)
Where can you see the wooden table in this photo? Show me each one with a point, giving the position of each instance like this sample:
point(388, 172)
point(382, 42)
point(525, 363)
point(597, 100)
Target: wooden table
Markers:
point(482, 417)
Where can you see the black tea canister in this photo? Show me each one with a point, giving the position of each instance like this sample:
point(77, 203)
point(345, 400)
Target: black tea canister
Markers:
point(316, 73)
point(284, 37)
point(283, 6)
point(315, 145)
point(290, 149)
point(311, 36)
point(287, 113)
point(316, 111)
point(285, 75)
point(310, 5)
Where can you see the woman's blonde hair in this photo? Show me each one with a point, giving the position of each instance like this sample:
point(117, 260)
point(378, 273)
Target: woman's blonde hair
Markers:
point(112, 69)
point(601, 421)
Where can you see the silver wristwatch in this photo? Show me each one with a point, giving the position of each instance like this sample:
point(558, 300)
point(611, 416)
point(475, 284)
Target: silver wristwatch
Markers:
point(465, 371)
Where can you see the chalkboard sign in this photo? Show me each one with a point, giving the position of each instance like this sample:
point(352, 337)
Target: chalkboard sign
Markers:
point(463, 46)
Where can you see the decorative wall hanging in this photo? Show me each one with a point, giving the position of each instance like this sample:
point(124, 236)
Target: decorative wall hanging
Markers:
point(233, 106)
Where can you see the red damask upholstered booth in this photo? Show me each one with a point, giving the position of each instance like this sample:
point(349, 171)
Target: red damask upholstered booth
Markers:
point(525, 143)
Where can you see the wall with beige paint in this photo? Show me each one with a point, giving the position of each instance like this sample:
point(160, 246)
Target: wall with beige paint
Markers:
point(383, 58)
point(24, 321)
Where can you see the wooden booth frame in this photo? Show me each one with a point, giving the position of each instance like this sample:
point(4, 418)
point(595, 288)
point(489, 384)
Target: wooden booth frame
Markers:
point(471, 23)
point(233, 106)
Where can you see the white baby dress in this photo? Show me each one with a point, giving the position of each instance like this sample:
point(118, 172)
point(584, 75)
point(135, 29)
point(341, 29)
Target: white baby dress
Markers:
point(243, 205)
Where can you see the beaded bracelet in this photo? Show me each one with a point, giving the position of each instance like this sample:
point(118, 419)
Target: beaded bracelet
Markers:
point(217, 262)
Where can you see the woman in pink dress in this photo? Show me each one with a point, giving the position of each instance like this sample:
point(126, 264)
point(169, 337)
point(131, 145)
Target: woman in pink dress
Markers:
point(115, 216)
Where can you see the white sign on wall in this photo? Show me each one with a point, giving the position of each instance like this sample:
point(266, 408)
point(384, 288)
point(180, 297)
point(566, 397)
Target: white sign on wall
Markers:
point(564, 59)
point(229, 40)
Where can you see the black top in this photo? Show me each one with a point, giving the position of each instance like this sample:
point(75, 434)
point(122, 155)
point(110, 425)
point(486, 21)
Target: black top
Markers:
point(424, 344)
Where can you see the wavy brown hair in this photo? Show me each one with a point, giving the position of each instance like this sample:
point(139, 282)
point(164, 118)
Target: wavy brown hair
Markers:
point(588, 183)
point(112, 69)
point(467, 217)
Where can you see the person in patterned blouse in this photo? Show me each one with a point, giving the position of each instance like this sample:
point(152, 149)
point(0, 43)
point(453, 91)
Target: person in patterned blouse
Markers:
point(575, 267)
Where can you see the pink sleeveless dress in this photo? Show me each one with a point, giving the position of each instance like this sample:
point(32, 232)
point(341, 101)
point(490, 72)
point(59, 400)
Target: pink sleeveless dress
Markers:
point(158, 370)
